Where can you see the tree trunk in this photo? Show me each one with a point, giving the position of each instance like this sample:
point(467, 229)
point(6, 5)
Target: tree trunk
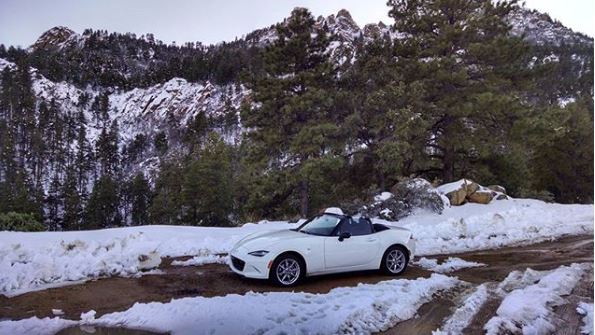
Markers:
point(304, 201)
point(381, 180)
point(448, 163)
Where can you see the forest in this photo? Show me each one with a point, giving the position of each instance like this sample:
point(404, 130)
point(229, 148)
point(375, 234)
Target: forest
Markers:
point(455, 95)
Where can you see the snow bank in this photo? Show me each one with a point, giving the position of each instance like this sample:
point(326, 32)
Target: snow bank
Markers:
point(500, 223)
point(449, 265)
point(45, 326)
point(528, 310)
point(362, 309)
point(26, 268)
point(463, 315)
point(586, 309)
point(34, 260)
point(346, 310)
point(202, 260)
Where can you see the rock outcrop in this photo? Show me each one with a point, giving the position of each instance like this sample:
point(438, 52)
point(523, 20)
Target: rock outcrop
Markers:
point(464, 190)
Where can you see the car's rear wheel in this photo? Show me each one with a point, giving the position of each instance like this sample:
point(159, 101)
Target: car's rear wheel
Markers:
point(395, 260)
point(287, 270)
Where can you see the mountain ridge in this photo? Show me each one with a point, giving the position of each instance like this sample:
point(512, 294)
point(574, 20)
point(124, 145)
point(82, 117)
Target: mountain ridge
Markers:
point(59, 36)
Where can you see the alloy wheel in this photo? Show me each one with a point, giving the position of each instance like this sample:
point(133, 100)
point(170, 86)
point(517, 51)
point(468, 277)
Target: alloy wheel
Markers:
point(288, 271)
point(396, 261)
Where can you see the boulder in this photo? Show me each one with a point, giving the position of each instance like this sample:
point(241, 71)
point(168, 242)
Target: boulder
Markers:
point(481, 197)
point(458, 191)
point(457, 197)
point(497, 188)
point(471, 186)
point(502, 197)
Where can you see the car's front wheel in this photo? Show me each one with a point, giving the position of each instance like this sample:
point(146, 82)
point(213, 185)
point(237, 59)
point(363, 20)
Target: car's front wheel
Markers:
point(287, 270)
point(395, 260)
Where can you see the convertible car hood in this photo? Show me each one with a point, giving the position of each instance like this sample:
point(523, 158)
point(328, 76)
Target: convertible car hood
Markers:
point(261, 240)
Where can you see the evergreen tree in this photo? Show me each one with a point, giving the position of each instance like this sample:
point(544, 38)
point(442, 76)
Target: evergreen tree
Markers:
point(207, 192)
point(563, 161)
point(166, 206)
point(381, 129)
point(160, 143)
point(102, 208)
point(54, 204)
point(140, 195)
point(73, 203)
point(83, 155)
point(470, 69)
point(106, 150)
point(292, 117)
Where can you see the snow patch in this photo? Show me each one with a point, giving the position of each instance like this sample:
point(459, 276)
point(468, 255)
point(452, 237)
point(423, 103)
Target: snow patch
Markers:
point(586, 309)
point(34, 325)
point(383, 196)
point(528, 310)
point(347, 310)
point(449, 265)
point(202, 260)
point(463, 315)
point(334, 210)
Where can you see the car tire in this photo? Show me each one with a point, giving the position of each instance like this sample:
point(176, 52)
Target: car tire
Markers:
point(395, 260)
point(287, 270)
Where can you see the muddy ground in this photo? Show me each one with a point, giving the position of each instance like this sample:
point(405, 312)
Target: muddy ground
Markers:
point(117, 294)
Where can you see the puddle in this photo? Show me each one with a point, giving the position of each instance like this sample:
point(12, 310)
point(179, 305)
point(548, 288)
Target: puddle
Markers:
point(86, 330)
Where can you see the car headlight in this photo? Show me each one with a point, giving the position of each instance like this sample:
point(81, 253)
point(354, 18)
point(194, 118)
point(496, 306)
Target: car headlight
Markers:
point(258, 253)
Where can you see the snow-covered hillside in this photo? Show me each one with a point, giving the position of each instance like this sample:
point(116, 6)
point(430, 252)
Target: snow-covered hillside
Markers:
point(167, 108)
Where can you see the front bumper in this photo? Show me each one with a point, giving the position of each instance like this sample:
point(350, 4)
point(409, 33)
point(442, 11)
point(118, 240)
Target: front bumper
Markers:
point(249, 266)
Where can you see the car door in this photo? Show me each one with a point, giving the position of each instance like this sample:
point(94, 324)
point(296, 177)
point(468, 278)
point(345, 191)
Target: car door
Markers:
point(357, 251)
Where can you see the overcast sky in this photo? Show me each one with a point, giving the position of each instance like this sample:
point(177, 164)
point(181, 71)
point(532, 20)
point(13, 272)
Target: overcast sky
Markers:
point(22, 21)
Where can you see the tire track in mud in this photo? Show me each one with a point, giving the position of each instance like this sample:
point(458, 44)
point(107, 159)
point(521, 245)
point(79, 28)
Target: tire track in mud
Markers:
point(500, 263)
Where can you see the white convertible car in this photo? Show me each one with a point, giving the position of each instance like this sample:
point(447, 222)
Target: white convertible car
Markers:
point(327, 243)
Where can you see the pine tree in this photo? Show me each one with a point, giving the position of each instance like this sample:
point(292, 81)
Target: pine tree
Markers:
point(166, 207)
point(470, 70)
point(381, 127)
point(83, 155)
point(207, 192)
point(106, 150)
point(73, 203)
point(102, 210)
point(292, 116)
point(160, 143)
point(563, 161)
point(140, 194)
point(54, 204)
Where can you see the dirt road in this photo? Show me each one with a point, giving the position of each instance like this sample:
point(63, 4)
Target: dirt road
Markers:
point(117, 294)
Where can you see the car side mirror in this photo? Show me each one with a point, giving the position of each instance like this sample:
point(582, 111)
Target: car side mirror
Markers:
point(344, 235)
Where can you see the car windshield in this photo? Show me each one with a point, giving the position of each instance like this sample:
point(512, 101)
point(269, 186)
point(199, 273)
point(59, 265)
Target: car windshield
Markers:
point(320, 225)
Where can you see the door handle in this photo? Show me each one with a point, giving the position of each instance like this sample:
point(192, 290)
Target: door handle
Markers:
point(371, 240)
